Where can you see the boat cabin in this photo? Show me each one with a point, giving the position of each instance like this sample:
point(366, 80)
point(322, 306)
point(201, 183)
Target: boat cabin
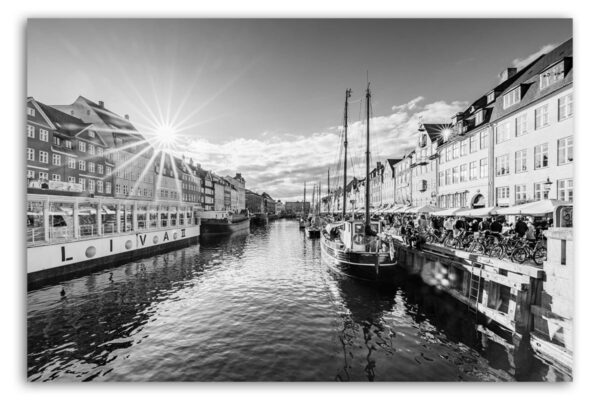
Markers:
point(352, 233)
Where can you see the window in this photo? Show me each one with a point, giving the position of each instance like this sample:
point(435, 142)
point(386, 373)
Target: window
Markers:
point(449, 153)
point(71, 179)
point(541, 117)
point(521, 125)
point(464, 148)
point(82, 183)
point(473, 170)
point(43, 176)
point(91, 134)
point(100, 186)
point(503, 194)
point(56, 159)
point(56, 177)
point(538, 191)
point(521, 161)
point(455, 150)
point(448, 177)
point(503, 132)
point(68, 144)
point(71, 163)
point(30, 154)
point(502, 165)
point(43, 135)
point(455, 175)
point(473, 143)
point(483, 168)
point(30, 112)
point(565, 189)
point(478, 117)
point(463, 173)
point(43, 157)
point(565, 150)
point(91, 167)
point(552, 75)
point(108, 170)
point(30, 131)
point(82, 146)
point(100, 151)
point(30, 174)
point(540, 156)
point(91, 149)
point(81, 165)
point(512, 97)
point(101, 169)
point(107, 187)
point(483, 139)
point(441, 178)
point(92, 185)
point(490, 97)
point(565, 107)
point(117, 188)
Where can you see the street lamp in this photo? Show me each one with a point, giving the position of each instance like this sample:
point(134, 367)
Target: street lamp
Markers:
point(547, 186)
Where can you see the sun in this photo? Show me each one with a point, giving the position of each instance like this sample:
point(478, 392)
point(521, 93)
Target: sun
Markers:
point(165, 135)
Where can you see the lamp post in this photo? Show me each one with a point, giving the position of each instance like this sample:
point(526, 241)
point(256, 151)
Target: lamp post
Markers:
point(547, 186)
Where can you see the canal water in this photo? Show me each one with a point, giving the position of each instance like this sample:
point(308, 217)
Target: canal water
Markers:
point(258, 306)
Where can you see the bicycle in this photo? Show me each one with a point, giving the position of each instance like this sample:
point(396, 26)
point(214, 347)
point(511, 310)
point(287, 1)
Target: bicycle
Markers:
point(435, 236)
point(504, 247)
point(524, 251)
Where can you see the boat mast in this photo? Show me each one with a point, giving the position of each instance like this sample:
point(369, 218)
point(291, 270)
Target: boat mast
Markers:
point(348, 93)
point(328, 194)
point(367, 188)
point(304, 200)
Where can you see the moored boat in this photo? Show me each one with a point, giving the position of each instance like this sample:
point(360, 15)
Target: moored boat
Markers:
point(223, 222)
point(356, 247)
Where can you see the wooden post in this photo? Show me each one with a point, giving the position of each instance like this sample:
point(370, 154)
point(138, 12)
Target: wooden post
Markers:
point(119, 207)
point(46, 213)
point(76, 219)
point(99, 218)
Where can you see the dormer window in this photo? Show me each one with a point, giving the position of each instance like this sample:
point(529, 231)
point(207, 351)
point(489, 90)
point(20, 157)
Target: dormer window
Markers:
point(552, 75)
point(91, 134)
point(512, 97)
point(478, 117)
point(490, 97)
point(30, 112)
point(423, 140)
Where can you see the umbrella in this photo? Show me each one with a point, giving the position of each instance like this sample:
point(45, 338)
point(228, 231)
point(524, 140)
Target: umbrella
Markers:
point(541, 207)
point(448, 212)
point(478, 212)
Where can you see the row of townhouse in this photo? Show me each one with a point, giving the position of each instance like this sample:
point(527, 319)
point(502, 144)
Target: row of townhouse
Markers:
point(84, 149)
point(514, 144)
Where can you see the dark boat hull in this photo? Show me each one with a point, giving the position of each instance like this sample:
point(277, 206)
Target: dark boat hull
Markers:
point(367, 266)
point(220, 227)
point(312, 233)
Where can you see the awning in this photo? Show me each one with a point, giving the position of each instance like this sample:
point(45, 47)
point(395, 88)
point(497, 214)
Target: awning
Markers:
point(536, 208)
point(426, 209)
point(478, 212)
point(448, 212)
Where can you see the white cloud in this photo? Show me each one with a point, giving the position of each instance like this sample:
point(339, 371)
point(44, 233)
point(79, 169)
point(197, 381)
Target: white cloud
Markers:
point(279, 164)
point(522, 62)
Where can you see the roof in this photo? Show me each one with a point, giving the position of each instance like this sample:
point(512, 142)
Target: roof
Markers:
point(394, 161)
point(434, 131)
point(64, 123)
point(530, 78)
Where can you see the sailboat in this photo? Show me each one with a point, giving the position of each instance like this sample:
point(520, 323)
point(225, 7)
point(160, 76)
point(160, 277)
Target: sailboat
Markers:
point(302, 220)
point(354, 247)
point(313, 230)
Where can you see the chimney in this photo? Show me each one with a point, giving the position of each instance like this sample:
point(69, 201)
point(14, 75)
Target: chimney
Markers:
point(507, 73)
point(101, 104)
point(127, 117)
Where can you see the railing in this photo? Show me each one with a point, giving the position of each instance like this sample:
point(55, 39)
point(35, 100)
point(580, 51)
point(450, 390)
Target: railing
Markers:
point(60, 233)
point(141, 224)
point(35, 235)
point(88, 230)
point(109, 228)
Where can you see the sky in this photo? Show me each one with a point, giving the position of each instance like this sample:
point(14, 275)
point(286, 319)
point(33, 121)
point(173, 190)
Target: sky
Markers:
point(265, 97)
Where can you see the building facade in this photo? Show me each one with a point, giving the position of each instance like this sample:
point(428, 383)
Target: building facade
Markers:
point(424, 165)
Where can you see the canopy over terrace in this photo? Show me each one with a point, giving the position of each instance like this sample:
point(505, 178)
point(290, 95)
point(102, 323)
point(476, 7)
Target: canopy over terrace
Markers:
point(426, 209)
point(477, 212)
point(537, 208)
point(448, 212)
